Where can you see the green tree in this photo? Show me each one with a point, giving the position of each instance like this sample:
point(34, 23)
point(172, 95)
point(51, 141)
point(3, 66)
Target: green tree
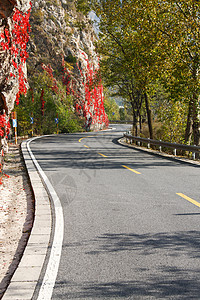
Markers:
point(129, 52)
point(143, 41)
point(82, 6)
point(111, 109)
point(177, 25)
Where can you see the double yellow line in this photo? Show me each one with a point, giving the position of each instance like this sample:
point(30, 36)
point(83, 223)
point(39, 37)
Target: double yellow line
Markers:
point(84, 138)
point(138, 173)
point(103, 155)
point(132, 170)
point(188, 199)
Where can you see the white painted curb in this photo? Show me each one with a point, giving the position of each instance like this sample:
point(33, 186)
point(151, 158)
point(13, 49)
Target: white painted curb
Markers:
point(26, 276)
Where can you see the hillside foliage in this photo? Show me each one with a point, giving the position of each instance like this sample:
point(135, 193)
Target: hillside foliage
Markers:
point(149, 46)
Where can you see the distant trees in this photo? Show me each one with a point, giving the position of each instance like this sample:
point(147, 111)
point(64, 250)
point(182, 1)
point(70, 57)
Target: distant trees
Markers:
point(111, 108)
point(144, 44)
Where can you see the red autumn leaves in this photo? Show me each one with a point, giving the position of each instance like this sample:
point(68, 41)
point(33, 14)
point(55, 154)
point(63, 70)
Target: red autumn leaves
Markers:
point(94, 98)
point(4, 126)
point(15, 42)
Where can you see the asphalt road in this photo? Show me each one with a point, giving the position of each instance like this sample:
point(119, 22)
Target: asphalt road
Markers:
point(132, 227)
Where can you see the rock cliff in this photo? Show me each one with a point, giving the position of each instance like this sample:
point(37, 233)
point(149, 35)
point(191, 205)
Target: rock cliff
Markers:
point(62, 39)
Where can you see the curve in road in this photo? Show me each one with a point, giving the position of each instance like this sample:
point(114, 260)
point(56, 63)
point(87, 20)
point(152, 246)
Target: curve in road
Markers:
point(131, 219)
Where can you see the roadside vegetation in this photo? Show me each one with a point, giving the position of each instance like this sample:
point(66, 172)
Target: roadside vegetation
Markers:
point(150, 56)
point(46, 109)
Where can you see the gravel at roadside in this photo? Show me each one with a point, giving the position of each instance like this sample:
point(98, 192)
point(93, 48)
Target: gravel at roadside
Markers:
point(16, 214)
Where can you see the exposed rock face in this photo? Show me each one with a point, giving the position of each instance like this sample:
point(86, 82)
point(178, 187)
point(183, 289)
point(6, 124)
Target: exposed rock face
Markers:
point(64, 38)
point(6, 8)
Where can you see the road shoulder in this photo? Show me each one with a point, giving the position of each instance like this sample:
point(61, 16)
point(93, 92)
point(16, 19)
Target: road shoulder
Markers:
point(26, 276)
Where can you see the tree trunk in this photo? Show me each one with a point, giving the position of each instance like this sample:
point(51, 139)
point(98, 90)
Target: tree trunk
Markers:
point(149, 118)
point(196, 123)
point(188, 130)
point(195, 104)
point(134, 117)
point(140, 122)
point(134, 124)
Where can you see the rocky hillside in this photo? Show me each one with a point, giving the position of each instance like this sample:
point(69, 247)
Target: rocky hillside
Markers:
point(62, 43)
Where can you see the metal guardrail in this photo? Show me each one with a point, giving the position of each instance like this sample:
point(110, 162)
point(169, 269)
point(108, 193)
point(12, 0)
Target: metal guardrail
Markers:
point(120, 122)
point(194, 149)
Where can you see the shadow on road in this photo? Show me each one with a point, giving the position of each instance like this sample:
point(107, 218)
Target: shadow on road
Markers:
point(91, 160)
point(147, 244)
point(168, 282)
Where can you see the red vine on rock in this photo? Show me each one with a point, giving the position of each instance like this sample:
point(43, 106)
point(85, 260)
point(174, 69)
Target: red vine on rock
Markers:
point(94, 97)
point(4, 126)
point(92, 105)
point(49, 71)
point(16, 43)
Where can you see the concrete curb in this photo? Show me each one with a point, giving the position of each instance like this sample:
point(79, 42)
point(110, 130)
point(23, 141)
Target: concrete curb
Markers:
point(26, 276)
point(165, 155)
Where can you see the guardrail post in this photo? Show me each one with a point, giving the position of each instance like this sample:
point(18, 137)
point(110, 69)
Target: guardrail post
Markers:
point(148, 145)
point(193, 155)
point(174, 152)
point(160, 148)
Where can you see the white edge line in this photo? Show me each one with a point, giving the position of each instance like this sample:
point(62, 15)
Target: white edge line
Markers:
point(49, 279)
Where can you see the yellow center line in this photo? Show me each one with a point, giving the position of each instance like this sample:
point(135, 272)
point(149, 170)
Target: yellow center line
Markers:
point(84, 138)
point(188, 199)
point(102, 154)
point(134, 171)
point(86, 146)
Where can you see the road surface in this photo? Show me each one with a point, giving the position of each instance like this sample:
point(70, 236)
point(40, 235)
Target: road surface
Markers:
point(131, 219)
